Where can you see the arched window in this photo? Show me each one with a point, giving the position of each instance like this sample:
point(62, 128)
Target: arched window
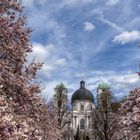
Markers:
point(91, 107)
point(82, 108)
point(82, 124)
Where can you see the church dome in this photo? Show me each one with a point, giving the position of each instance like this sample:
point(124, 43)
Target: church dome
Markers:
point(82, 94)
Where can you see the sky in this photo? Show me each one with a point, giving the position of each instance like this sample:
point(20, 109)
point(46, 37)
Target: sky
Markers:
point(91, 40)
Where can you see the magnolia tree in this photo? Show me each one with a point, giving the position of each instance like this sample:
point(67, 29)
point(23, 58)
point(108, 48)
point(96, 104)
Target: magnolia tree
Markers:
point(22, 114)
point(130, 115)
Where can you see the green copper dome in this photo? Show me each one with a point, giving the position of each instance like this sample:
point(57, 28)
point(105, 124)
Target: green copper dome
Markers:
point(103, 86)
point(59, 86)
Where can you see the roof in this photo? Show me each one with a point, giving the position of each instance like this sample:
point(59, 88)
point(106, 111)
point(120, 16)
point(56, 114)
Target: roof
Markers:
point(103, 86)
point(60, 86)
point(82, 94)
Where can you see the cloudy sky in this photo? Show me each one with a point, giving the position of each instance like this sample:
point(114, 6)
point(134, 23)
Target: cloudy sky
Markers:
point(93, 40)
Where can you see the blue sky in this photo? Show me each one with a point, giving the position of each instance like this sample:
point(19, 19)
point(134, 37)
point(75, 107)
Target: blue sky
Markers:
point(94, 40)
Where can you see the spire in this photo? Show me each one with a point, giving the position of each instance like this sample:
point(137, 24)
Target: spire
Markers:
point(82, 84)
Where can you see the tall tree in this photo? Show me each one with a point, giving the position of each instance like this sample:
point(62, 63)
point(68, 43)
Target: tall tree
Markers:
point(20, 105)
point(104, 120)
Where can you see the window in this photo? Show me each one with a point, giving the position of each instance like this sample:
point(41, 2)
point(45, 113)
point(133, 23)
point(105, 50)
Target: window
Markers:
point(75, 107)
point(89, 107)
point(82, 124)
point(75, 121)
point(88, 121)
point(82, 107)
point(103, 90)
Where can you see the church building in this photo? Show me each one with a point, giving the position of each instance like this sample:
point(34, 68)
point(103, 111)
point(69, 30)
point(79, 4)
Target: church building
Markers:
point(79, 122)
point(82, 102)
point(82, 105)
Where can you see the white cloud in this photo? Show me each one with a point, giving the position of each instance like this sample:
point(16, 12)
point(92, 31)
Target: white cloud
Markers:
point(121, 82)
point(49, 56)
point(47, 69)
point(48, 90)
point(88, 26)
point(127, 78)
point(81, 75)
point(127, 37)
point(40, 52)
point(112, 2)
point(60, 62)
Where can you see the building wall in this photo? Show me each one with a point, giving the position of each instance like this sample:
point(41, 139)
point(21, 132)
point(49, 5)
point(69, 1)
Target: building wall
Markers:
point(82, 110)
